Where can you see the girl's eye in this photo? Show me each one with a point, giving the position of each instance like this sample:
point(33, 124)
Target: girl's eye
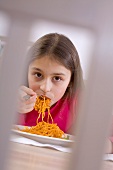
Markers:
point(39, 75)
point(57, 78)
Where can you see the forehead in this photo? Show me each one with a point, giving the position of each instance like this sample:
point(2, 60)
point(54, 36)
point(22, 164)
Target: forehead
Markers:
point(48, 63)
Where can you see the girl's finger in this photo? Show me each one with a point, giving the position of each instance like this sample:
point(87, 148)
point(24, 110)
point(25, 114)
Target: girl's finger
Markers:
point(27, 90)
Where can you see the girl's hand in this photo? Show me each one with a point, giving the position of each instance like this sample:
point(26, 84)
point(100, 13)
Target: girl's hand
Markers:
point(25, 106)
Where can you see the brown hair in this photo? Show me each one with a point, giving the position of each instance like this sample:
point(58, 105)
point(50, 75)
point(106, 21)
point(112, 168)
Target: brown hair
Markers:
point(60, 48)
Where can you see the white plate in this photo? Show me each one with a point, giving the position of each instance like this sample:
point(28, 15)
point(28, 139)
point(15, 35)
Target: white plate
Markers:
point(44, 139)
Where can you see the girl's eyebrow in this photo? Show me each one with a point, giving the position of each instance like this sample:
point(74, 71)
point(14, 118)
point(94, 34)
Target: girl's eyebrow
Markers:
point(58, 74)
point(35, 68)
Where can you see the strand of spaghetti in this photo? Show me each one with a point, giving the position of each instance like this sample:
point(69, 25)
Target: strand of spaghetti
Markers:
point(43, 109)
point(38, 117)
point(49, 115)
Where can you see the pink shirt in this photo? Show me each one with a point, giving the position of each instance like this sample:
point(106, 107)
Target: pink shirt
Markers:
point(60, 112)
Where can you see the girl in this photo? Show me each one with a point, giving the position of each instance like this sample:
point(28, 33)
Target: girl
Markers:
point(53, 70)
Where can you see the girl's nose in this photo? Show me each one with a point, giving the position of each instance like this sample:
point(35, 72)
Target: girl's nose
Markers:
point(46, 86)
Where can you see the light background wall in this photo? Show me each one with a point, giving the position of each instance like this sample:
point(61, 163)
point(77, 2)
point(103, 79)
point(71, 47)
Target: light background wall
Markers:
point(82, 38)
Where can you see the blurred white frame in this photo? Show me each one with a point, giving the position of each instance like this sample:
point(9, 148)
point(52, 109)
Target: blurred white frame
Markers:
point(82, 38)
point(98, 97)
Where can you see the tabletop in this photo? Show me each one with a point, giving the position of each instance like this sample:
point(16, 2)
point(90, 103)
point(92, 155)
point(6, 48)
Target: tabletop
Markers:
point(29, 157)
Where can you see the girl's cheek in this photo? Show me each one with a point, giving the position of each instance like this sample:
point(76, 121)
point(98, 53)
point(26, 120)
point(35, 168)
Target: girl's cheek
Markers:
point(59, 93)
point(34, 87)
point(61, 90)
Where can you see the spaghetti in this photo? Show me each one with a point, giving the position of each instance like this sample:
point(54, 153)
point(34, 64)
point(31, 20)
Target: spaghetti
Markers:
point(44, 128)
point(42, 104)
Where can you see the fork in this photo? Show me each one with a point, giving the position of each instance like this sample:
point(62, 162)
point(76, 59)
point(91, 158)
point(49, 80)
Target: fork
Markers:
point(26, 97)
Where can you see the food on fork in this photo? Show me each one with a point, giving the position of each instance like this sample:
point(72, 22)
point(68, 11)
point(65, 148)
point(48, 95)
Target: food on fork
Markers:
point(41, 105)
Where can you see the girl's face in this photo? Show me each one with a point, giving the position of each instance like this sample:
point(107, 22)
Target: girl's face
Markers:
point(48, 77)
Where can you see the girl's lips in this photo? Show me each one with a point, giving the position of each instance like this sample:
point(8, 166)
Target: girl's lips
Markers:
point(42, 96)
point(47, 95)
